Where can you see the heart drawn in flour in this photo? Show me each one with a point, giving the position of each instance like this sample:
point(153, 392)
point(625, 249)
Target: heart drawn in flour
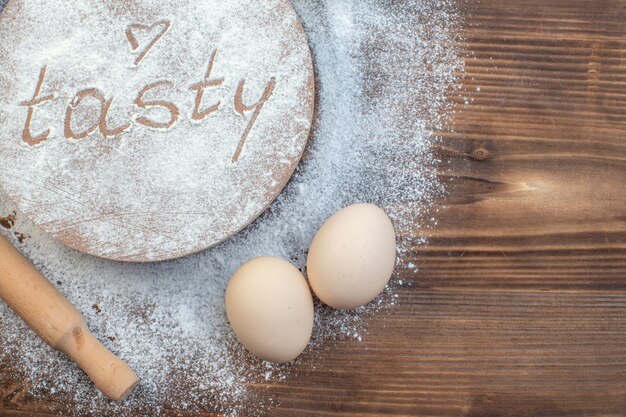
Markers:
point(137, 28)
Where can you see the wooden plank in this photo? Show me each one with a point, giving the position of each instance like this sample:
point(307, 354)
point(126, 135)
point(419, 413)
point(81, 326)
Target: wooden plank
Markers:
point(520, 304)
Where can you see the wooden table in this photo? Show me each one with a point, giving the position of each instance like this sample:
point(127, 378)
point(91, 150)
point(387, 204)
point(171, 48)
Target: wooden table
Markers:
point(520, 305)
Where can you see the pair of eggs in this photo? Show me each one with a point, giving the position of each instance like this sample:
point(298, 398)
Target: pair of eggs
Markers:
point(350, 261)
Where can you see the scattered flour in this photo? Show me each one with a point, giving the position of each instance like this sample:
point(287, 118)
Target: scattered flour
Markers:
point(384, 70)
point(150, 194)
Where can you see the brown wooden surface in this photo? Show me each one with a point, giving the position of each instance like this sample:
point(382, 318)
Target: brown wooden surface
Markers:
point(520, 305)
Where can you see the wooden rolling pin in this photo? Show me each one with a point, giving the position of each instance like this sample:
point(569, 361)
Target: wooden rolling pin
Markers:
point(59, 324)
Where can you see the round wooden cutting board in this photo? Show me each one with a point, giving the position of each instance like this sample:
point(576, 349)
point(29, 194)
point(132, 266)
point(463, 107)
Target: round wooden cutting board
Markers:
point(149, 130)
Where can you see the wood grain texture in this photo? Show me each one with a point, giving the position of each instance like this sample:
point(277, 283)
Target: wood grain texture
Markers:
point(520, 305)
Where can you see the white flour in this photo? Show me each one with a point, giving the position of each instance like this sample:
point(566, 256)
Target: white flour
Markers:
point(151, 193)
point(383, 74)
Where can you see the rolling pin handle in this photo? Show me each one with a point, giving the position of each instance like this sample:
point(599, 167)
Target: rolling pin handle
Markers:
point(59, 323)
point(108, 373)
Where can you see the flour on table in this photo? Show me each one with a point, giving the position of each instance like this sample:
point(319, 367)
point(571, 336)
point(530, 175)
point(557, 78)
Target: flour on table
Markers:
point(384, 71)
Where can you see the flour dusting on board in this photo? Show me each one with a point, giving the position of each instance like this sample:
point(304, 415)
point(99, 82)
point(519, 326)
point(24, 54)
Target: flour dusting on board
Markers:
point(150, 120)
point(383, 74)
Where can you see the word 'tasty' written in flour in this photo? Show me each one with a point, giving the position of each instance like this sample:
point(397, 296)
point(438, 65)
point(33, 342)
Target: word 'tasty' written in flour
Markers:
point(108, 128)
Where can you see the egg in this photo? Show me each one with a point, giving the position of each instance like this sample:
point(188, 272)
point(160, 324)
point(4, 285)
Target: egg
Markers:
point(270, 308)
point(352, 256)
